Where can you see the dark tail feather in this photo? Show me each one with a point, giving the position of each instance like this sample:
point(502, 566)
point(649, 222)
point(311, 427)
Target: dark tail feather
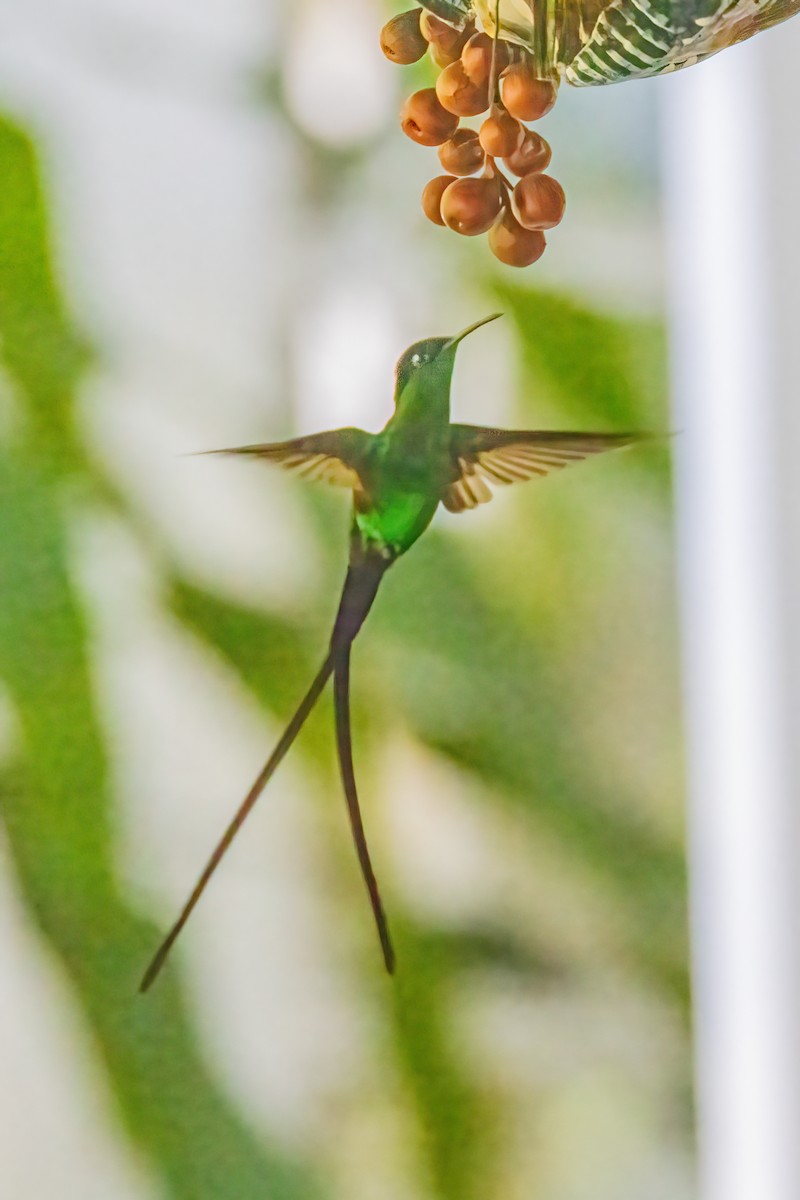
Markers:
point(360, 589)
point(292, 730)
point(341, 692)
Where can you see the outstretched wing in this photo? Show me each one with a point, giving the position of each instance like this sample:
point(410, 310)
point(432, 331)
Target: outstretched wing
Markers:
point(484, 457)
point(336, 457)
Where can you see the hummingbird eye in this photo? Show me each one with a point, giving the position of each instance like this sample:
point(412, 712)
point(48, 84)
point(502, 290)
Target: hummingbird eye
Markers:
point(417, 356)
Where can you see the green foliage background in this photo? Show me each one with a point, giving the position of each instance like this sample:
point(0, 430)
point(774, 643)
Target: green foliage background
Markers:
point(533, 660)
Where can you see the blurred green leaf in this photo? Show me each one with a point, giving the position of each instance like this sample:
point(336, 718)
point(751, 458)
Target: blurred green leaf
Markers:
point(40, 347)
point(267, 654)
point(485, 676)
point(55, 801)
point(608, 372)
point(455, 1125)
point(475, 686)
point(270, 652)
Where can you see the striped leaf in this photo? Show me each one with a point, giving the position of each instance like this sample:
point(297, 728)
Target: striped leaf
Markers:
point(589, 42)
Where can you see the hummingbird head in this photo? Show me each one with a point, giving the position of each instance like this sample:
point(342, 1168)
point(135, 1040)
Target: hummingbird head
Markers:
point(432, 360)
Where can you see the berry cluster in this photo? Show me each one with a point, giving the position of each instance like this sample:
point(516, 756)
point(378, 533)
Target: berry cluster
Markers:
point(480, 73)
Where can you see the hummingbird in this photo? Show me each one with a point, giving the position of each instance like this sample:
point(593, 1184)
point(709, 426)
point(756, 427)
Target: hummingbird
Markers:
point(398, 478)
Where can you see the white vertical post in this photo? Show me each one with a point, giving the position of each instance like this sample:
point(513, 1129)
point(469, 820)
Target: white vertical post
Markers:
point(728, 283)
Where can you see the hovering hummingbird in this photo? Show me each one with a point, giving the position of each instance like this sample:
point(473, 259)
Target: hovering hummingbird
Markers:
point(398, 478)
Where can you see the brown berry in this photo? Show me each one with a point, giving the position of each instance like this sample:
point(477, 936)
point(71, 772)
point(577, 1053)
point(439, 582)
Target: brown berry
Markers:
point(432, 197)
point(533, 155)
point(442, 58)
point(501, 134)
point(525, 96)
point(469, 206)
point(445, 37)
point(401, 38)
point(477, 57)
point(425, 121)
point(462, 154)
point(538, 202)
point(513, 245)
point(459, 94)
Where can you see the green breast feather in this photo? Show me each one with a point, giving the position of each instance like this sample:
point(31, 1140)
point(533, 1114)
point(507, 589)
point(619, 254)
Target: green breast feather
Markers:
point(397, 520)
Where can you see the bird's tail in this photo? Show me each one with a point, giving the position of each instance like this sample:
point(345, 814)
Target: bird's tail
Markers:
point(359, 591)
point(361, 586)
point(241, 814)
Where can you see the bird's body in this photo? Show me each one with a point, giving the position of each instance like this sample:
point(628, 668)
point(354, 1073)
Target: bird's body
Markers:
point(399, 497)
point(398, 478)
point(404, 469)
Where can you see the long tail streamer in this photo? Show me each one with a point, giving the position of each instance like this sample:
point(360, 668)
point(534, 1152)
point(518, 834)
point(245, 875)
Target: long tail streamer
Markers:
point(360, 588)
point(341, 693)
point(291, 732)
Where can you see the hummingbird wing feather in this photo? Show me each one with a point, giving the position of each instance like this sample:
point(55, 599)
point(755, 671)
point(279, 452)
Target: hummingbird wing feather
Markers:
point(336, 456)
point(483, 457)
